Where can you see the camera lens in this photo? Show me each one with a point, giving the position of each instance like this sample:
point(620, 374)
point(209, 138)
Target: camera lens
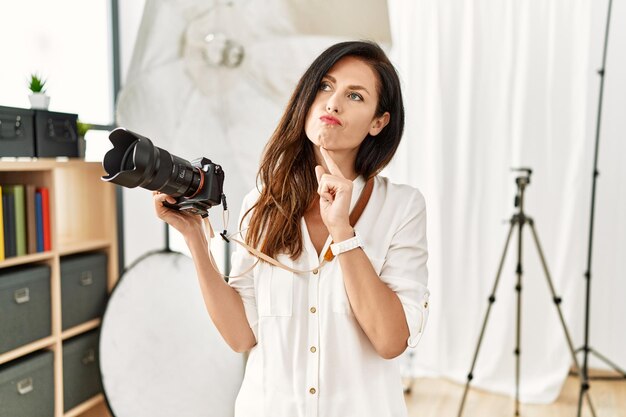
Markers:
point(135, 162)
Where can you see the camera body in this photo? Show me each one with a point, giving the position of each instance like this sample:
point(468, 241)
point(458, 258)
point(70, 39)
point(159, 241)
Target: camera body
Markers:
point(209, 192)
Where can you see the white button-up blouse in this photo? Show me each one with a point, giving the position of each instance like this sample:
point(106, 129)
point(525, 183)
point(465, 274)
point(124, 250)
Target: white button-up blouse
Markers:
point(312, 358)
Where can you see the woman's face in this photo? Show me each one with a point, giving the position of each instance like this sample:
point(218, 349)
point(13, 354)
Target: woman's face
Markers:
point(343, 111)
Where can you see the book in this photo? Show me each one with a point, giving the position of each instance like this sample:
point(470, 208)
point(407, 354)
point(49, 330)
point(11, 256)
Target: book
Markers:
point(20, 220)
point(5, 224)
point(39, 221)
point(10, 222)
point(31, 228)
point(45, 208)
point(1, 226)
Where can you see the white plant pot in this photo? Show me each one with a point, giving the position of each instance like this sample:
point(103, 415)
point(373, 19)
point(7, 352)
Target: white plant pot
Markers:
point(39, 101)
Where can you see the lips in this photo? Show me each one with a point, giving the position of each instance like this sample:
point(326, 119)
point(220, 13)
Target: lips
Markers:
point(330, 120)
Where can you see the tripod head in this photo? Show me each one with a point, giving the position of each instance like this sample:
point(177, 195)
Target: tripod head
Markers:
point(522, 181)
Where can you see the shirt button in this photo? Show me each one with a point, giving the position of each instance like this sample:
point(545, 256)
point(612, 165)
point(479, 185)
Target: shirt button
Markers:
point(426, 304)
point(313, 310)
point(312, 391)
point(313, 349)
point(315, 271)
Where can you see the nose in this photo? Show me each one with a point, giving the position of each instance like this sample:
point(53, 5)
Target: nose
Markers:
point(332, 105)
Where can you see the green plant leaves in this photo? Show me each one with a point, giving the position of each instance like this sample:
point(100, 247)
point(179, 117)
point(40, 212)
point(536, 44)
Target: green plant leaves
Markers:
point(37, 84)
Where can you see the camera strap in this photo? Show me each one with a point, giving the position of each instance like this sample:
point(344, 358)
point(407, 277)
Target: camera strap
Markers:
point(328, 256)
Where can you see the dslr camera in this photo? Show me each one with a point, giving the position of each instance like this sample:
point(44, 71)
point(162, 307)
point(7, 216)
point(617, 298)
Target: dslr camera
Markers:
point(134, 161)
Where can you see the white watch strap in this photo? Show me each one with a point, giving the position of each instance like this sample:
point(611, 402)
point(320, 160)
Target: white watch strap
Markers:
point(346, 245)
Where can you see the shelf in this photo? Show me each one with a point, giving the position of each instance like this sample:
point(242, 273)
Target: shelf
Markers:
point(43, 164)
point(81, 408)
point(81, 328)
point(66, 248)
point(76, 246)
point(26, 259)
point(26, 349)
point(83, 218)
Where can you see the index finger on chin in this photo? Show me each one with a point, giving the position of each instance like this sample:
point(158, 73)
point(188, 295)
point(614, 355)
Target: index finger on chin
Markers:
point(330, 163)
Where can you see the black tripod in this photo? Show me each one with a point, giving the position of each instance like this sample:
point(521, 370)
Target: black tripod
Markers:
point(586, 349)
point(520, 219)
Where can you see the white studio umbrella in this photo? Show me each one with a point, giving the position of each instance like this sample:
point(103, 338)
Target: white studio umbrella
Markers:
point(211, 78)
point(160, 354)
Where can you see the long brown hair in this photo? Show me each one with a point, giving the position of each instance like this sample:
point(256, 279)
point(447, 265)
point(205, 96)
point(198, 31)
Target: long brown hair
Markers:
point(287, 170)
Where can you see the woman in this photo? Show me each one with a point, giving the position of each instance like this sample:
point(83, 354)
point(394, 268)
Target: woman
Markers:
point(320, 339)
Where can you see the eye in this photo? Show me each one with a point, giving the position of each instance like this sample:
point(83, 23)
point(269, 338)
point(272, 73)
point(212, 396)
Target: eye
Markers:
point(324, 86)
point(355, 96)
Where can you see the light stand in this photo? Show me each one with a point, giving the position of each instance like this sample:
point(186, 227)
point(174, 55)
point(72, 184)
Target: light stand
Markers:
point(586, 349)
point(520, 219)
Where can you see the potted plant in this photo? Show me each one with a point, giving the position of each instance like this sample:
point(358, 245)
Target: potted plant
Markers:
point(38, 99)
point(82, 129)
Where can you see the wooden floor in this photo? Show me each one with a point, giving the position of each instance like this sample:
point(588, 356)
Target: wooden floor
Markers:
point(441, 398)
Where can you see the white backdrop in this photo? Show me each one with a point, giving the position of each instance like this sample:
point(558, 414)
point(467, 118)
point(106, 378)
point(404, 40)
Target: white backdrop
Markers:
point(497, 84)
point(489, 86)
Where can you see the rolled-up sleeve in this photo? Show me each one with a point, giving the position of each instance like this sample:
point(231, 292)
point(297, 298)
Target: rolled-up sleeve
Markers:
point(404, 269)
point(242, 261)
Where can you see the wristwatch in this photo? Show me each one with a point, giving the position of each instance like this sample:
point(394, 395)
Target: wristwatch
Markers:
point(346, 245)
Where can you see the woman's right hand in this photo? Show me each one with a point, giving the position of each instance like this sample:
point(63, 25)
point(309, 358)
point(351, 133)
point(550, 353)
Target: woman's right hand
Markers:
point(186, 223)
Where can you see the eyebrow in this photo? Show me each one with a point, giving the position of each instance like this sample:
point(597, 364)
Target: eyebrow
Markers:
point(350, 87)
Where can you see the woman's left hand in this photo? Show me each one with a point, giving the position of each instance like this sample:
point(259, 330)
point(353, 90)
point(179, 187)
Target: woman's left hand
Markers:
point(335, 195)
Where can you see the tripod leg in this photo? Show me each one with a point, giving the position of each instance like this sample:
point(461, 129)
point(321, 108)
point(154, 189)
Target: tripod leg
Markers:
point(557, 302)
point(492, 299)
point(609, 362)
point(518, 327)
point(584, 392)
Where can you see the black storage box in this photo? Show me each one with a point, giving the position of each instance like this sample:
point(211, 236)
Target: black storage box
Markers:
point(83, 288)
point(27, 386)
point(56, 134)
point(81, 370)
point(25, 309)
point(17, 135)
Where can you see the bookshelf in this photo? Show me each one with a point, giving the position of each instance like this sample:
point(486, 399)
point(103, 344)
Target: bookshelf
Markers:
point(82, 219)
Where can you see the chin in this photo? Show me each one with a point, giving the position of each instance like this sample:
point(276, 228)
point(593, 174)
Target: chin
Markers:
point(325, 140)
point(325, 143)
point(317, 141)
